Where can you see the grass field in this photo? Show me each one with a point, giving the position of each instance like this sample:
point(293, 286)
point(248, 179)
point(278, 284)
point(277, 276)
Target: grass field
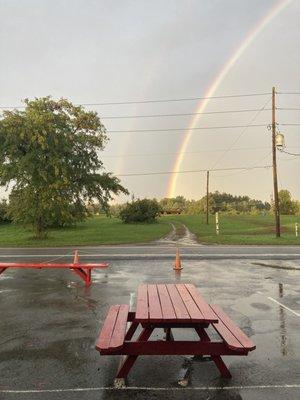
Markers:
point(237, 229)
point(97, 230)
point(240, 229)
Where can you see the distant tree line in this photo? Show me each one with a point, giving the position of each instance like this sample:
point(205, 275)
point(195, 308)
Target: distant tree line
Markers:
point(217, 201)
point(147, 210)
point(221, 202)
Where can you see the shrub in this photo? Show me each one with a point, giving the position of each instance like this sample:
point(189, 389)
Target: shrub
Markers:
point(144, 210)
point(115, 209)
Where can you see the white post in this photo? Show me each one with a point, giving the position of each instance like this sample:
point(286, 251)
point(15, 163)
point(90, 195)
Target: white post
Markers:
point(296, 229)
point(217, 223)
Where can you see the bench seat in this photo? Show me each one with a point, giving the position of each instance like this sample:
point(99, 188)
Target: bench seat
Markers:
point(234, 338)
point(112, 335)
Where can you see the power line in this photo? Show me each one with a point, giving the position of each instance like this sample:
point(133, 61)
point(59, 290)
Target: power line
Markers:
point(196, 170)
point(111, 103)
point(296, 124)
point(185, 129)
point(287, 109)
point(291, 154)
point(243, 171)
point(177, 153)
point(176, 99)
point(292, 93)
point(289, 159)
point(181, 114)
point(242, 132)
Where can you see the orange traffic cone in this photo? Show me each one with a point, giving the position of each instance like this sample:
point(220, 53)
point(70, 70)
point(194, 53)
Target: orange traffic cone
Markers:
point(76, 257)
point(177, 265)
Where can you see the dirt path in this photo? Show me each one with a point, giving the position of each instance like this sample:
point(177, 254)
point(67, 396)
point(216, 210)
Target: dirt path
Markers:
point(180, 235)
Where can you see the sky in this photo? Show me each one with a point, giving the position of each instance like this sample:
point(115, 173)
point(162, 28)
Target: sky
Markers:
point(118, 51)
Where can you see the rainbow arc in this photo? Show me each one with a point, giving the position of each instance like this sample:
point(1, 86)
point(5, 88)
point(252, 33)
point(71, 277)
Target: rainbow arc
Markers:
point(219, 78)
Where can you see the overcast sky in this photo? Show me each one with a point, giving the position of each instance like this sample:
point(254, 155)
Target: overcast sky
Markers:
point(101, 51)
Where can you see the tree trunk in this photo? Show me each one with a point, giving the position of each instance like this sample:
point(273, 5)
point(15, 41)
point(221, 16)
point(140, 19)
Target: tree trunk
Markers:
point(40, 232)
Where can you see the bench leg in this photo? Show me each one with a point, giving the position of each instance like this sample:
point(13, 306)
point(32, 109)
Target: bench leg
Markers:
point(126, 366)
point(225, 373)
point(2, 270)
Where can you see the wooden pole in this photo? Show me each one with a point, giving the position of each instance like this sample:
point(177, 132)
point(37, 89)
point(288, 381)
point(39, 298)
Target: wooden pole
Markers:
point(207, 197)
point(276, 198)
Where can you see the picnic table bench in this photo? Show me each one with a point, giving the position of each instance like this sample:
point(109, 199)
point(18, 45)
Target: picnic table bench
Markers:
point(83, 270)
point(169, 306)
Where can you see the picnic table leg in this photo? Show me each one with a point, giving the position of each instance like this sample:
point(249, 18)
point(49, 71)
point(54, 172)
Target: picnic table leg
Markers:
point(88, 279)
point(84, 274)
point(216, 359)
point(131, 330)
point(168, 335)
point(127, 364)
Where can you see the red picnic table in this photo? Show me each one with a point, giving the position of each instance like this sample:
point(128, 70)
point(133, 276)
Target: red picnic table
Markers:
point(83, 270)
point(169, 306)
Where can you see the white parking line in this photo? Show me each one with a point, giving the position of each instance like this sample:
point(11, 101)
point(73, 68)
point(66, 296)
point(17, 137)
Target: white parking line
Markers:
point(165, 389)
point(147, 255)
point(283, 306)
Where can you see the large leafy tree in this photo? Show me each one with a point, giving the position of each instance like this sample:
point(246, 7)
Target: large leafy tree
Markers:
point(287, 205)
point(49, 157)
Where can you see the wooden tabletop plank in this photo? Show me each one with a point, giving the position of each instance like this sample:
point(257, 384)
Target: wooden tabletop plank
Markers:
point(108, 327)
point(167, 308)
point(155, 312)
point(178, 305)
point(193, 310)
point(142, 310)
point(208, 314)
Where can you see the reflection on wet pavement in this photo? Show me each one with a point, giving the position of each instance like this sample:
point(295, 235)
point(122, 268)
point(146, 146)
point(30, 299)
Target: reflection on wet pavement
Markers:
point(282, 320)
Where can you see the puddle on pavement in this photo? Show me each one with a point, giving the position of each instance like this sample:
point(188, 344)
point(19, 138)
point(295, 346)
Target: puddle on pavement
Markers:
point(282, 265)
point(261, 306)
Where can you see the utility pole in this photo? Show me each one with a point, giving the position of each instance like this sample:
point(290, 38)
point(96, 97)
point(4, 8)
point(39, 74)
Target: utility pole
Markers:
point(207, 195)
point(276, 198)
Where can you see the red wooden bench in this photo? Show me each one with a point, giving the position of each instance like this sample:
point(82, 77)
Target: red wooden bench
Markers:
point(83, 270)
point(170, 306)
point(112, 336)
point(234, 338)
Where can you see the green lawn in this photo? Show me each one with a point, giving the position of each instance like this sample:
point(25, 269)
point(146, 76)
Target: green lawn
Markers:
point(97, 230)
point(234, 229)
point(240, 229)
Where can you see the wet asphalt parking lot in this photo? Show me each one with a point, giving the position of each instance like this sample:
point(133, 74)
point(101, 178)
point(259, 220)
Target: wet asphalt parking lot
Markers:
point(50, 321)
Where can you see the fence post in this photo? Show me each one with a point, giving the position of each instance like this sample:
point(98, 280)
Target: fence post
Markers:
point(217, 223)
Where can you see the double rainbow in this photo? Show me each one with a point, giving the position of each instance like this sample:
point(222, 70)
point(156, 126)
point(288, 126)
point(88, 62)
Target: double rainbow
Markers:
point(252, 35)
